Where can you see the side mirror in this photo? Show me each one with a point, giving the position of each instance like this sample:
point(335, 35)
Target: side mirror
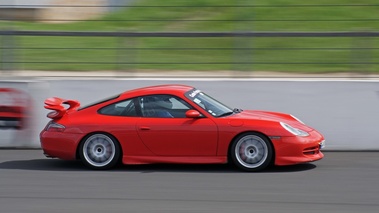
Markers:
point(193, 114)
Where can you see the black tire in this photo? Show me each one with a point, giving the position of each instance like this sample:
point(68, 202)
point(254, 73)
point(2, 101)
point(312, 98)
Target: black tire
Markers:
point(251, 152)
point(99, 151)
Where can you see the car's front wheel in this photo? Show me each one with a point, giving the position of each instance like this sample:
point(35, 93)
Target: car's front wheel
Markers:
point(99, 151)
point(251, 152)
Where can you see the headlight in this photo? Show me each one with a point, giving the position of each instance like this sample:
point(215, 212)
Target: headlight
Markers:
point(293, 130)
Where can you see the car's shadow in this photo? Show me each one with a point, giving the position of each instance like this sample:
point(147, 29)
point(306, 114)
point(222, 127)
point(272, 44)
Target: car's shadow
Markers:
point(62, 165)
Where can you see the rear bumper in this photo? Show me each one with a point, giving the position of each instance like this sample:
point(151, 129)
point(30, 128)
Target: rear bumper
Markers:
point(59, 145)
point(296, 149)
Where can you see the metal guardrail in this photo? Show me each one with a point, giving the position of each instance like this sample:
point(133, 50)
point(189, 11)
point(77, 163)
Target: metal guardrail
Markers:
point(189, 34)
point(241, 55)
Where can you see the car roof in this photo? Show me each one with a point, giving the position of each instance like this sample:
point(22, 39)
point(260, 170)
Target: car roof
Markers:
point(159, 89)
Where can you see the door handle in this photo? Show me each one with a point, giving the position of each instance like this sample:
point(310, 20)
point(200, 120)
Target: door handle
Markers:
point(144, 128)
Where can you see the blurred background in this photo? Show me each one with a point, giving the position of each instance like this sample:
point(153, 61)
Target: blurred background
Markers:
point(332, 46)
point(240, 37)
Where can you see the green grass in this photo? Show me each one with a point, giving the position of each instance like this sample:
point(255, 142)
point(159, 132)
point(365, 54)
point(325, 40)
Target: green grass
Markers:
point(263, 54)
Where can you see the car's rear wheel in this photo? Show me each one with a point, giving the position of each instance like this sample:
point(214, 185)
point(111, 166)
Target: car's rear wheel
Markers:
point(100, 151)
point(251, 152)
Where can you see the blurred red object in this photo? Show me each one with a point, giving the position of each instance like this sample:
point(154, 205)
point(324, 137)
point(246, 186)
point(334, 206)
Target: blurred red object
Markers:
point(14, 105)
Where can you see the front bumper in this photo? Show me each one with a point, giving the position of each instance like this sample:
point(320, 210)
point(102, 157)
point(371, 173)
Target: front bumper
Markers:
point(296, 149)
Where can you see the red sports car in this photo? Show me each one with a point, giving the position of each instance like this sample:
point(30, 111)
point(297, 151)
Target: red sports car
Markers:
point(175, 124)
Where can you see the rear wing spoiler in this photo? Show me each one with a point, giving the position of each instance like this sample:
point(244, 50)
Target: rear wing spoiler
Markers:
point(58, 106)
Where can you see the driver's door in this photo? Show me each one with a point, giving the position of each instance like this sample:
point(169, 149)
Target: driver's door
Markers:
point(178, 135)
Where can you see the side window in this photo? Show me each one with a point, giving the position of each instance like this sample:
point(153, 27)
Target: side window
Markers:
point(123, 108)
point(163, 106)
point(179, 104)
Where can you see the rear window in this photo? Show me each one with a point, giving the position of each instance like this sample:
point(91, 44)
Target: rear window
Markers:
point(99, 102)
point(123, 108)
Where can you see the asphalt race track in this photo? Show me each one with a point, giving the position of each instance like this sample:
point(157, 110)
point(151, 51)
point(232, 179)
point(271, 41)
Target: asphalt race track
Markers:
point(341, 182)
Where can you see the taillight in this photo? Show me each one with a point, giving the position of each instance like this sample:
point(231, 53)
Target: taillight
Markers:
point(54, 127)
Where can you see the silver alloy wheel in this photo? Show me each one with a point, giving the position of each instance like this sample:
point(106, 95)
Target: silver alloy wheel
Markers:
point(99, 150)
point(251, 151)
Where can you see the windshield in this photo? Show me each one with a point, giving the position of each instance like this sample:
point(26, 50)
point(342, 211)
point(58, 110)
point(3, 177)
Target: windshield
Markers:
point(208, 103)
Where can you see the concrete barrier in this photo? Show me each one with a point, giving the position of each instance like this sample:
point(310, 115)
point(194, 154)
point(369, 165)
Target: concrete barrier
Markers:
point(346, 112)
